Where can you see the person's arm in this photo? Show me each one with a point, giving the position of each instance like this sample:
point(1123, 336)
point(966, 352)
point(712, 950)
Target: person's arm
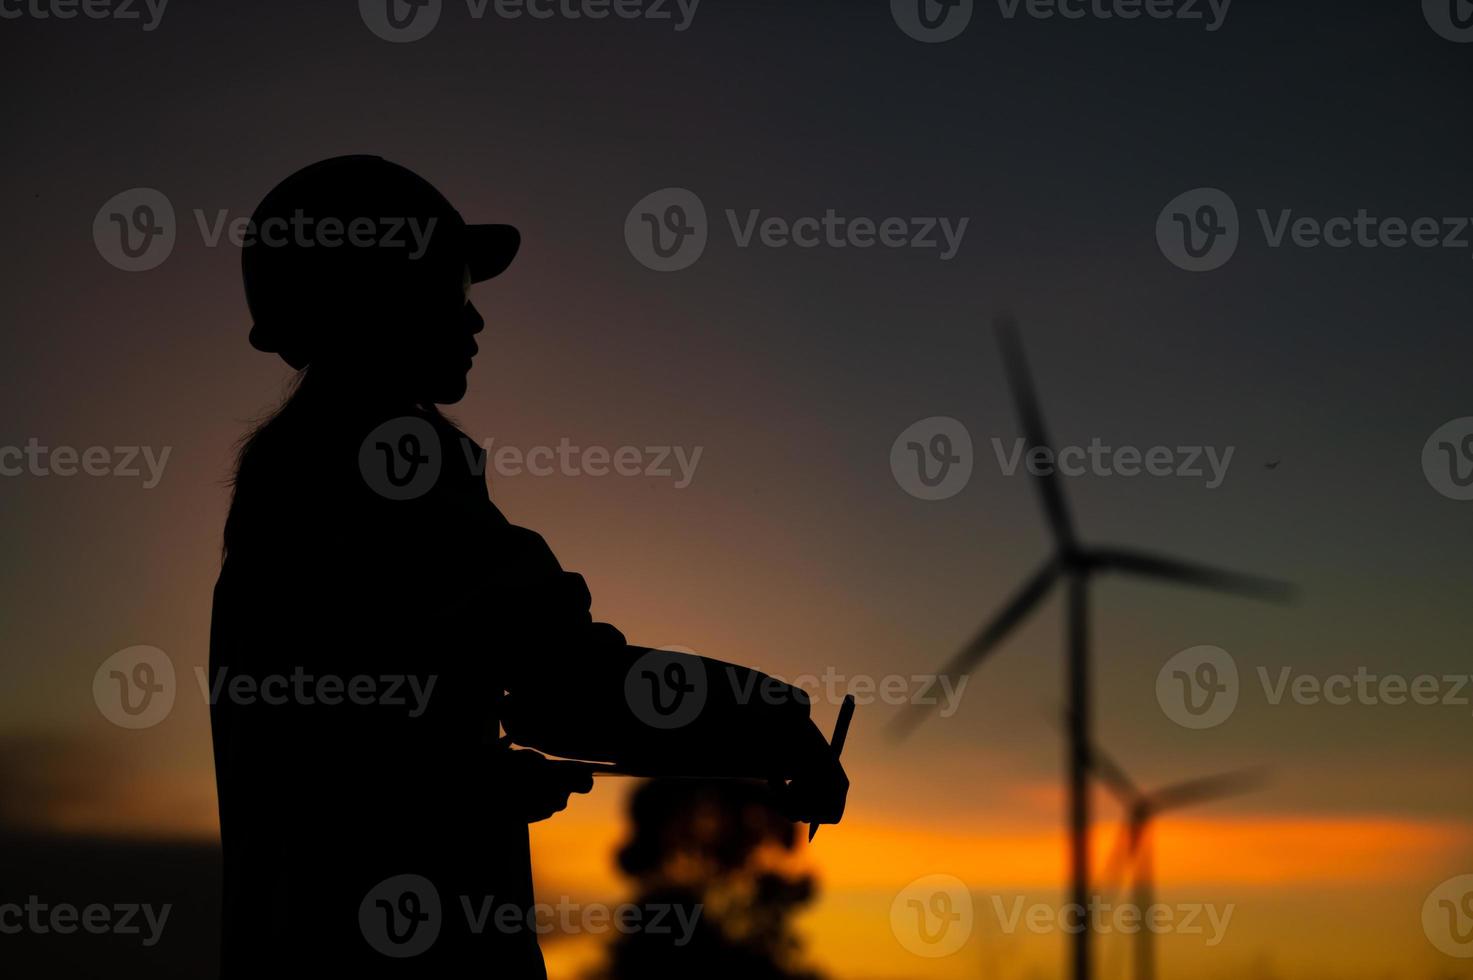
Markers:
point(576, 689)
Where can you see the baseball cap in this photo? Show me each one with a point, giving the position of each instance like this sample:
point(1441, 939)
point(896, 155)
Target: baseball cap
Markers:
point(351, 235)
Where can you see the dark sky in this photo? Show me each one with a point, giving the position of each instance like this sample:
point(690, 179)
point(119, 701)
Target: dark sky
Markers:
point(1060, 140)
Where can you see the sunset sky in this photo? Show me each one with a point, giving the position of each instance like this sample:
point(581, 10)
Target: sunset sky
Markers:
point(793, 548)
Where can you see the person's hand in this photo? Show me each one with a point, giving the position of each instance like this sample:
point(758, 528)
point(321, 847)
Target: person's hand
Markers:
point(819, 789)
point(536, 786)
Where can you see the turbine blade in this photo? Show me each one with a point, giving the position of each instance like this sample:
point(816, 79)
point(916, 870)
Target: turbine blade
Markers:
point(1022, 602)
point(1030, 418)
point(1103, 767)
point(1195, 791)
point(1189, 573)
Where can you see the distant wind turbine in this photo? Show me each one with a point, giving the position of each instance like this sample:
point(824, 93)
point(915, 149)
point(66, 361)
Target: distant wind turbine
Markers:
point(1134, 845)
point(1076, 565)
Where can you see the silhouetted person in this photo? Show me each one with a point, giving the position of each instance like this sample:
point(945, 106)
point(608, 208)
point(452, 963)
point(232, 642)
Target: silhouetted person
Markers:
point(364, 562)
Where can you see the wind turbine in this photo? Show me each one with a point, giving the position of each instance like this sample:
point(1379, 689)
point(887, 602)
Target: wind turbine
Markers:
point(1076, 565)
point(1135, 843)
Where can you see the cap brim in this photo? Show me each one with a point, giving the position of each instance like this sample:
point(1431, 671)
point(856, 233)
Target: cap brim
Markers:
point(490, 249)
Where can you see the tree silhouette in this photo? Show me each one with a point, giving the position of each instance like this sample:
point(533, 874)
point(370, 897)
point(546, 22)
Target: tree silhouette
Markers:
point(721, 845)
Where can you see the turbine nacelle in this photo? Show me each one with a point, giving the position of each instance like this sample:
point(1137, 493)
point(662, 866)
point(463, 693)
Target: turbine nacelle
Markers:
point(1071, 559)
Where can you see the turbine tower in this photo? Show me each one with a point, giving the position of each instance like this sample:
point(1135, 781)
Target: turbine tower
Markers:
point(1134, 846)
point(1076, 565)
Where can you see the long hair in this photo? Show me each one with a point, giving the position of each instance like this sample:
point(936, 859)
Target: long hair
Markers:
point(305, 414)
point(249, 451)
